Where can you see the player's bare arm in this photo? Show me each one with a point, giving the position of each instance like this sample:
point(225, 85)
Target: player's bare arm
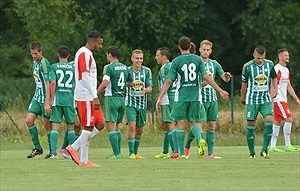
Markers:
point(102, 86)
point(293, 94)
point(224, 94)
point(243, 92)
point(274, 86)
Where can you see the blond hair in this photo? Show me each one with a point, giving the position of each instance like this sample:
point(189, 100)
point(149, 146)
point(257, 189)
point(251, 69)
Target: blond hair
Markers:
point(137, 51)
point(206, 42)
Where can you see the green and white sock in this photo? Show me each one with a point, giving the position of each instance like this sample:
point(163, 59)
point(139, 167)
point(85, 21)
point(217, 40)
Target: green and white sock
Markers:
point(119, 140)
point(131, 145)
point(71, 136)
point(171, 140)
point(49, 140)
point(267, 135)
point(53, 140)
point(113, 138)
point(180, 140)
point(189, 140)
point(174, 139)
point(250, 135)
point(65, 141)
point(166, 142)
point(35, 137)
point(210, 141)
point(136, 145)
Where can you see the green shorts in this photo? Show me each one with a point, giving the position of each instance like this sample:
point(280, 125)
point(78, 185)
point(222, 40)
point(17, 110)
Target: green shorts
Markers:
point(37, 108)
point(165, 113)
point(114, 108)
point(59, 111)
point(186, 111)
point(211, 110)
point(251, 111)
point(202, 115)
point(136, 115)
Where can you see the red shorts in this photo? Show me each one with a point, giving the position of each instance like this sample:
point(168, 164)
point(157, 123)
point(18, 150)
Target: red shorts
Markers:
point(281, 111)
point(89, 116)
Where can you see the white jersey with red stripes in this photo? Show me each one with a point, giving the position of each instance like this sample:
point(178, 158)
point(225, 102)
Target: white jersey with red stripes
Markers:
point(283, 77)
point(85, 62)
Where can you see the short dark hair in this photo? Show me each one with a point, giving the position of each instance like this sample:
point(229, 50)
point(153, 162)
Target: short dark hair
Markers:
point(94, 35)
point(193, 48)
point(282, 50)
point(260, 49)
point(184, 42)
point(63, 51)
point(36, 45)
point(114, 51)
point(164, 51)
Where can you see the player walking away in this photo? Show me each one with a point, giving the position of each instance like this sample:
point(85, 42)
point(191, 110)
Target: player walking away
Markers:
point(62, 86)
point(281, 108)
point(86, 97)
point(187, 69)
point(115, 77)
point(136, 101)
point(41, 68)
point(255, 95)
point(167, 103)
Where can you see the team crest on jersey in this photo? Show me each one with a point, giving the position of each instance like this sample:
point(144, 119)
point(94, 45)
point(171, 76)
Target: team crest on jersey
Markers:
point(35, 75)
point(261, 79)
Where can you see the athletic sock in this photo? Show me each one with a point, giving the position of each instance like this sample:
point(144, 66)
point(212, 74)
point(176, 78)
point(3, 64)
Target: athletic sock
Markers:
point(65, 141)
point(174, 139)
point(113, 139)
point(71, 136)
point(250, 135)
point(166, 142)
point(197, 133)
point(287, 128)
point(77, 135)
point(189, 139)
point(49, 140)
point(119, 140)
point(85, 144)
point(267, 135)
point(210, 141)
point(131, 145)
point(94, 132)
point(275, 134)
point(171, 140)
point(180, 140)
point(136, 145)
point(53, 140)
point(35, 137)
point(77, 143)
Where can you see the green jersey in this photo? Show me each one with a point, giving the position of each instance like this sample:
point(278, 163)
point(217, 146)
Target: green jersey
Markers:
point(134, 95)
point(162, 76)
point(117, 75)
point(258, 78)
point(213, 68)
point(41, 75)
point(188, 70)
point(63, 75)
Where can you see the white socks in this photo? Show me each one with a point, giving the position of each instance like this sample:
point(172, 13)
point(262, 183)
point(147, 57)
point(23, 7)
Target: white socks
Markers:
point(287, 133)
point(94, 132)
point(85, 144)
point(276, 129)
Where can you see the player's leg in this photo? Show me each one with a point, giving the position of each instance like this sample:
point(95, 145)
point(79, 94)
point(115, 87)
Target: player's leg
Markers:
point(287, 129)
point(251, 113)
point(267, 112)
point(56, 119)
point(131, 121)
point(33, 111)
point(278, 117)
point(140, 123)
point(48, 127)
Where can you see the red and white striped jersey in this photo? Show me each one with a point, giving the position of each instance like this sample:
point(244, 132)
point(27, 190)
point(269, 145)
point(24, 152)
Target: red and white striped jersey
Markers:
point(283, 77)
point(85, 62)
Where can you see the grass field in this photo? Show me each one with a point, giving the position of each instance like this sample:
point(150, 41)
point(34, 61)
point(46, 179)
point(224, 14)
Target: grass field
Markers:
point(233, 172)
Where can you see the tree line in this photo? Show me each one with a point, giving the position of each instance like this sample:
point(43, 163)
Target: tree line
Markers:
point(235, 27)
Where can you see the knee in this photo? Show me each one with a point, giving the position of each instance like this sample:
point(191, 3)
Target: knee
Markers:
point(100, 126)
point(29, 122)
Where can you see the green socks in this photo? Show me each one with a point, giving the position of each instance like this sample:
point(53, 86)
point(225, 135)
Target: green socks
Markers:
point(174, 139)
point(171, 140)
point(210, 141)
point(267, 135)
point(119, 140)
point(53, 140)
point(131, 145)
point(189, 140)
point(49, 140)
point(251, 138)
point(65, 141)
point(71, 136)
point(166, 142)
point(113, 138)
point(180, 140)
point(136, 145)
point(35, 137)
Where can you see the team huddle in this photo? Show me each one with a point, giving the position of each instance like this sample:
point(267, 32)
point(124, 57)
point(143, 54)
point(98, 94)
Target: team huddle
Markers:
point(187, 98)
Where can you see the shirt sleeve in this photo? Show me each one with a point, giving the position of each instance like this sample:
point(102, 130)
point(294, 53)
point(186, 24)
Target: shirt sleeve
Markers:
point(149, 78)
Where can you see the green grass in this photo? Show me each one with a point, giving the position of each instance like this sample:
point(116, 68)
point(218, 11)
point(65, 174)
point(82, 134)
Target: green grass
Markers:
point(233, 172)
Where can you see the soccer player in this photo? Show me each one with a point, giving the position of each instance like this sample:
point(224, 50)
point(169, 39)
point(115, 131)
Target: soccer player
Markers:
point(187, 69)
point(136, 101)
point(86, 97)
point(162, 58)
point(281, 108)
point(255, 95)
point(41, 68)
point(209, 97)
point(62, 84)
point(115, 77)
